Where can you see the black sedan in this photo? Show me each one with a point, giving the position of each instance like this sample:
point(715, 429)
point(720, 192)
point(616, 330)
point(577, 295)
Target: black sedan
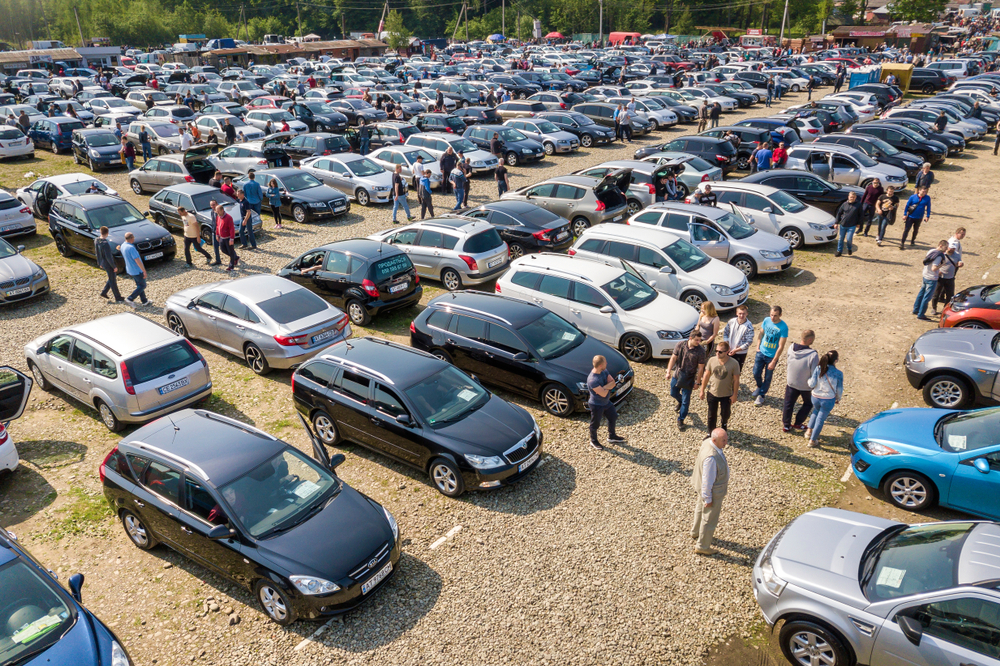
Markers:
point(878, 150)
point(589, 132)
point(278, 523)
point(357, 110)
point(303, 196)
point(954, 143)
point(743, 99)
point(903, 138)
point(478, 115)
point(440, 122)
point(318, 116)
point(525, 227)
point(806, 187)
point(303, 146)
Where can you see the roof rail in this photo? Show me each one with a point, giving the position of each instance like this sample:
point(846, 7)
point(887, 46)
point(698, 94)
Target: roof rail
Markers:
point(177, 459)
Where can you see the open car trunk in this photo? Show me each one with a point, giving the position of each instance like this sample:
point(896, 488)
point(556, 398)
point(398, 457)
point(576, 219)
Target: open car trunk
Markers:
point(611, 190)
point(196, 161)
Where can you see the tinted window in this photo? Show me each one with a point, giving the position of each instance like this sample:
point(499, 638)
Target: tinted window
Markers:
point(469, 327)
point(621, 250)
point(484, 241)
point(439, 319)
point(386, 401)
point(430, 239)
point(592, 245)
point(757, 202)
point(321, 373)
point(292, 306)
point(678, 221)
point(555, 286)
point(648, 257)
point(198, 501)
point(235, 308)
point(504, 339)
point(162, 480)
point(407, 237)
point(587, 295)
point(83, 354)
point(390, 267)
point(526, 279)
point(159, 362)
point(354, 386)
point(105, 366)
point(973, 624)
point(647, 218)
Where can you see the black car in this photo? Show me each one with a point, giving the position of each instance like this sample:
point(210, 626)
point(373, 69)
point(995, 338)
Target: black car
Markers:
point(303, 196)
point(806, 187)
point(75, 223)
point(517, 148)
point(418, 410)
point(718, 152)
point(378, 137)
point(781, 129)
point(195, 198)
point(410, 106)
point(360, 276)
point(398, 130)
point(878, 150)
point(545, 83)
point(749, 138)
point(318, 116)
point(758, 80)
point(525, 227)
point(439, 122)
point(827, 118)
point(517, 346)
point(97, 148)
point(743, 99)
point(927, 80)
point(590, 133)
point(904, 139)
point(275, 521)
point(478, 115)
point(824, 76)
point(302, 146)
point(954, 143)
point(356, 110)
point(516, 85)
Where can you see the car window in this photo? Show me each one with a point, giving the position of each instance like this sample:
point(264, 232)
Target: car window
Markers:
point(621, 250)
point(338, 262)
point(407, 237)
point(555, 286)
point(200, 502)
point(651, 258)
point(702, 233)
point(36, 614)
point(83, 355)
point(502, 338)
point(430, 238)
point(162, 480)
point(105, 366)
point(353, 386)
point(387, 402)
point(564, 191)
point(587, 295)
point(648, 218)
point(292, 306)
point(468, 327)
point(213, 300)
point(59, 347)
point(843, 163)
point(235, 308)
point(970, 431)
point(543, 190)
point(678, 221)
point(526, 279)
point(757, 202)
point(321, 373)
point(970, 623)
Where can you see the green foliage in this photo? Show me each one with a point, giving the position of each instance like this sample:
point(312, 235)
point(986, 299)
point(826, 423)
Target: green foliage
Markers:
point(398, 36)
point(917, 10)
point(684, 24)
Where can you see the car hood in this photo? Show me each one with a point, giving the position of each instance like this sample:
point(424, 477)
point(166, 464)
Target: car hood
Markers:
point(815, 215)
point(384, 179)
point(578, 359)
point(530, 144)
point(821, 551)
point(962, 344)
point(717, 271)
point(16, 266)
point(335, 117)
point(662, 312)
point(105, 150)
point(143, 231)
point(912, 426)
point(321, 193)
point(561, 135)
point(490, 430)
point(80, 645)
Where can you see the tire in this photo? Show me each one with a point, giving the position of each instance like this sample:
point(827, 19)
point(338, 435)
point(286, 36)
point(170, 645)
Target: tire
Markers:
point(510, 158)
point(947, 392)
point(137, 532)
point(633, 207)
point(801, 639)
point(362, 197)
point(683, 190)
point(522, 95)
point(274, 602)
point(694, 299)
point(446, 477)
point(325, 428)
point(299, 213)
point(745, 264)
point(136, 186)
point(358, 313)
point(557, 400)
point(54, 148)
point(743, 163)
point(586, 141)
point(62, 247)
point(162, 221)
point(161, 151)
point(972, 324)
point(36, 374)
point(441, 355)
point(175, 324)
point(909, 491)
point(549, 149)
point(796, 89)
point(514, 251)
point(635, 347)
point(76, 159)
point(928, 89)
point(207, 236)
point(108, 417)
point(579, 225)
point(93, 167)
point(255, 359)
point(465, 104)
point(793, 236)
point(451, 280)
point(653, 125)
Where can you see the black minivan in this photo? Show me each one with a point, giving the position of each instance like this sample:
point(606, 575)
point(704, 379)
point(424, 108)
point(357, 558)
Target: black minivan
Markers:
point(360, 276)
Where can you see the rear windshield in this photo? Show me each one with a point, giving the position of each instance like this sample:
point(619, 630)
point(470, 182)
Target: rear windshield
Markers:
point(484, 241)
point(10, 134)
point(292, 306)
point(390, 267)
point(336, 144)
point(202, 201)
point(159, 362)
point(7, 204)
point(68, 127)
point(182, 112)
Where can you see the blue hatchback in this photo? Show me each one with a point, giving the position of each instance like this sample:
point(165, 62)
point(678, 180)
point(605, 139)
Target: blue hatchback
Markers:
point(54, 133)
point(921, 457)
point(40, 624)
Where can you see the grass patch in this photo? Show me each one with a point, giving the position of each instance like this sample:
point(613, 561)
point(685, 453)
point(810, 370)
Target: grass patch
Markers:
point(281, 423)
point(84, 513)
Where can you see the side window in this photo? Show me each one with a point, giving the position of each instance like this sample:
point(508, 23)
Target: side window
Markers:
point(407, 237)
point(198, 501)
point(104, 366)
point(235, 308)
point(354, 386)
point(526, 279)
point(503, 339)
point(448, 242)
point(593, 245)
point(311, 259)
point(213, 300)
point(809, 184)
point(651, 258)
point(621, 250)
point(83, 355)
point(587, 295)
point(338, 262)
point(469, 327)
point(706, 234)
point(386, 402)
point(555, 286)
point(647, 218)
point(840, 162)
point(678, 221)
point(60, 347)
point(730, 197)
point(319, 372)
point(758, 202)
point(973, 624)
point(171, 199)
point(162, 480)
point(569, 192)
point(137, 463)
point(439, 319)
point(543, 190)
point(430, 238)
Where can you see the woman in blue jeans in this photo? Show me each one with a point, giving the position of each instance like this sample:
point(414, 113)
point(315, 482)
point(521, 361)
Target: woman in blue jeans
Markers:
point(827, 384)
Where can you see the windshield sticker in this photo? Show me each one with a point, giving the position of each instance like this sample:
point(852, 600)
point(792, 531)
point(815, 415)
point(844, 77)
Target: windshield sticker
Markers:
point(890, 577)
point(957, 442)
point(466, 395)
point(305, 489)
point(35, 629)
point(569, 335)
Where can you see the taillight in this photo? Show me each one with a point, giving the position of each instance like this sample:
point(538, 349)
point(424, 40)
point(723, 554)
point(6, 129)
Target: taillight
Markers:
point(291, 340)
point(370, 288)
point(497, 288)
point(705, 177)
point(571, 252)
point(687, 200)
point(652, 190)
point(127, 380)
point(562, 105)
point(600, 206)
point(197, 353)
point(327, 152)
point(3, 435)
point(448, 129)
point(100, 470)
point(721, 158)
point(413, 327)
point(813, 131)
point(25, 210)
point(190, 179)
point(260, 162)
point(542, 235)
point(416, 279)
point(469, 261)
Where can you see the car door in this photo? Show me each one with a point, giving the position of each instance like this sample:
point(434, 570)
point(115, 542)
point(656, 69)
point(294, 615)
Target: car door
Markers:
point(54, 359)
point(79, 370)
point(426, 252)
point(962, 629)
point(332, 279)
point(541, 195)
point(47, 194)
point(710, 240)
point(845, 170)
point(511, 363)
point(657, 269)
point(204, 313)
point(819, 163)
point(465, 343)
point(231, 324)
point(339, 176)
point(225, 161)
point(815, 192)
point(404, 441)
point(762, 211)
point(15, 387)
point(584, 312)
point(975, 486)
point(350, 410)
point(157, 500)
point(553, 293)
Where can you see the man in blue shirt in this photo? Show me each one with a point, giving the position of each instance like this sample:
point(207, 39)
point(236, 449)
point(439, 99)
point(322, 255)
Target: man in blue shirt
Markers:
point(600, 384)
point(135, 269)
point(917, 210)
point(773, 336)
point(253, 192)
point(764, 157)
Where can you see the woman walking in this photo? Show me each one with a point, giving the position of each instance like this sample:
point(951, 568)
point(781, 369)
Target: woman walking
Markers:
point(708, 326)
point(274, 200)
point(827, 384)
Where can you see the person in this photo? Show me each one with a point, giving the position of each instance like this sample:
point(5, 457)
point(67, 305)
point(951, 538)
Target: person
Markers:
point(722, 379)
point(847, 220)
point(600, 385)
point(770, 92)
point(216, 180)
point(810, 86)
point(885, 208)
point(448, 162)
point(932, 268)
point(195, 132)
point(185, 138)
point(802, 359)
point(685, 370)
point(274, 201)
point(364, 137)
point(253, 192)
point(925, 178)
point(460, 182)
point(118, 130)
point(779, 156)
point(945, 289)
point(869, 199)
point(702, 116)
point(94, 189)
point(708, 325)
point(708, 197)
point(24, 121)
point(230, 131)
point(710, 480)
point(764, 155)
point(192, 235)
point(773, 336)
point(503, 181)
point(135, 269)
point(940, 123)
point(106, 260)
point(496, 147)
point(147, 147)
point(827, 384)
point(399, 195)
point(127, 151)
point(917, 210)
point(225, 232)
point(426, 199)
point(227, 187)
point(739, 334)
point(714, 113)
point(268, 128)
point(246, 221)
point(465, 166)
point(996, 142)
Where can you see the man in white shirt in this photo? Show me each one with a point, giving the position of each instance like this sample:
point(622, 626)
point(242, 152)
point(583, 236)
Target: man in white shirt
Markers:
point(710, 480)
point(185, 139)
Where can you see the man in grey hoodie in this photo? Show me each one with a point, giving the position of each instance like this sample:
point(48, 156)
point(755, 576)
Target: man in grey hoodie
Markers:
point(106, 260)
point(802, 360)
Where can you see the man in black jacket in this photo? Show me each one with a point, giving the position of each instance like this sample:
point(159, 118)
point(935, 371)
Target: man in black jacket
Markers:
point(106, 260)
point(848, 219)
point(448, 163)
point(230, 132)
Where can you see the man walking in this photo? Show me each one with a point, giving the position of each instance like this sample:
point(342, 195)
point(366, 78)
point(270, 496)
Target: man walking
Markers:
point(848, 219)
point(685, 369)
point(932, 268)
point(770, 92)
point(917, 210)
point(722, 378)
point(230, 132)
point(106, 260)
point(885, 208)
point(364, 137)
point(802, 360)
point(702, 116)
point(713, 114)
point(192, 235)
point(127, 152)
point(460, 182)
point(426, 200)
point(503, 182)
point(739, 334)
point(710, 480)
point(925, 178)
point(246, 222)
point(254, 193)
point(496, 147)
point(399, 195)
point(869, 199)
point(448, 163)
point(225, 232)
point(841, 75)
point(773, 336)
point(135, 269)
point(147, 148)
point(465, 166)
point(600, 385)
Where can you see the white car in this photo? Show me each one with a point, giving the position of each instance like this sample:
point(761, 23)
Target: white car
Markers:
point(864, 104)
point(389, 156)
point(15, 387)
point(957, 68)
point(553, 139)
point(259, 117)
point(429, 99)
point(794, 83)
point(696, 95)
point(13, 143)
point(777, 212)
point(606, 299)
point(437, 143)
point(15, 218)
point(658, 115)
point(678, 268)
point(40, 194)
point(217, 122)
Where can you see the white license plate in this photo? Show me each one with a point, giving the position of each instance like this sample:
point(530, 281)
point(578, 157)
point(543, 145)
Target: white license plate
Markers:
point(15, 143)
point(155, 255)
point(495, 262)
point(376, 579)
point(325, 335)
point(173, 386)
point(624, 387)
point(529, 462)
point(398, 288)
point(18, 292)
point(562, 235)
point(618, 218)
point(10, 227)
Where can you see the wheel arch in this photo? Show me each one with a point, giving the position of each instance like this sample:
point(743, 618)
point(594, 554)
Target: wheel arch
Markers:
point(934, 485)
point(442, 454)
point(960, 374)
point(841, 632)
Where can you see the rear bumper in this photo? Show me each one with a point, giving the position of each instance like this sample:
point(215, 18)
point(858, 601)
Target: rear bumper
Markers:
point(179, 403)
point(375, 307)
point(481, 277)
point(15, 229)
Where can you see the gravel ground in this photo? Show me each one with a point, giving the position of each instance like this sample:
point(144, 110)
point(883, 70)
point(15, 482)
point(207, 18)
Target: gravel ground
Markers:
point(586, 561)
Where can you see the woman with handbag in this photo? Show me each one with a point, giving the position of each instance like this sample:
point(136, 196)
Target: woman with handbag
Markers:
point(827, 384)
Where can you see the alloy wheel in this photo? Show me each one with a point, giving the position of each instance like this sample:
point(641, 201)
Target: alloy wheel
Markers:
point(793, 237)
point(357, 313)
point(136, 531)
point(633, 207)
point(272, 602)
point(973, 325)
point(176, 325)
point(325, 430)
point(136, 187)
point(363, 198)
point(444, 478)
point(635, 347)
point(556, 401)
point(946, 393)
point(908, 492)
point(515, 251)
point(451, 280)
point(694, 299)
point(299, 213)
point(586, 141)
point(809, 649)
point(107, 416)
point(255, 359)
point(36, 372)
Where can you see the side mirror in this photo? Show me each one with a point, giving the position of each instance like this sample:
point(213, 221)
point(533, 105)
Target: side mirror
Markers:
point(607, 309)
point(337, 459)
point(522, 356)
point(768, 210)
point(20, 249)
point(76, 586)
point(982, 465)
point(667, 270)
point(404, 420)
point(145, 213)
point(912, 629)
point(220, 532)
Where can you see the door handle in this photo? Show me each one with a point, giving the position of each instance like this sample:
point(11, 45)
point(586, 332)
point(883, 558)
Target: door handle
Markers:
point(488, 354)
point(139, 504)
point(186, 530)
point(241, 328)
point(574, 311)
point(449, 341)
point(537, 300)
point(212, 318)
point(86, 380)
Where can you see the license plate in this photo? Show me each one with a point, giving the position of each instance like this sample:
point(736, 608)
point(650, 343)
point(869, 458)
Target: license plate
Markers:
point(155, 255)
point(325, 335)
point(624, 387)
point(18, 292)
point(376, 579)
point(173, 386)
point(562, 235)
point(495, 262)
point(10, 227)
point(618, 218)
point(398, 288)
point(339, 208)
point(529, 462)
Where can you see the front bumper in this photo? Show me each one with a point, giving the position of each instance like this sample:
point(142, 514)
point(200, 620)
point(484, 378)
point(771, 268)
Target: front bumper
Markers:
point(729, 302)
point(350, 595)
point(567, 147)
point(502, 476)
point(915, 378)
point(815, 237)
point(15, 292)
point(326, 213)
point(773, 265)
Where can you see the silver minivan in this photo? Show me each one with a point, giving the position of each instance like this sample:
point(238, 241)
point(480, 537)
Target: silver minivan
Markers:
point(843, 164)
point(131, 370)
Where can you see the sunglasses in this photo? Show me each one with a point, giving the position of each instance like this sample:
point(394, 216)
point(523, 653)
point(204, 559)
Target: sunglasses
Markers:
point(721, 353)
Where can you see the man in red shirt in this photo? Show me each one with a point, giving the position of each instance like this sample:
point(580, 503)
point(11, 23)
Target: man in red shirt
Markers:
point(779, 156)
point(225, 231)
point(227, 187)
point(311, 81)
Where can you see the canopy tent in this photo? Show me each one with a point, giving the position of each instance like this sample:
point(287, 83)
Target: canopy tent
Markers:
point(554, 35)
point(496, 37)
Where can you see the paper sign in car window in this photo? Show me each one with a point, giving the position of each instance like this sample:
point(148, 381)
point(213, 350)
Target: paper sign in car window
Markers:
point(466, 395)
point(305, 489)
point(957, 442)
point(890, 577)
point(35, 629)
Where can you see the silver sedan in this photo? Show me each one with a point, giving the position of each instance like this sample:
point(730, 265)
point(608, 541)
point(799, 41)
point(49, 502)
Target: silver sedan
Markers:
point(269, 321)
point(355, 175)
point(407, 156)
point(553, 139)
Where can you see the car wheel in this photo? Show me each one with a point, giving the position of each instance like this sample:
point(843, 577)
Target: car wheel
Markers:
point(465, 104)
point(511, 158)
point(653, 125)
point(682, 190)
point(275, 603)
point(255, 359)
point(522, 95)
point(795, 89)
point(358, 313)
point(793, 236)
point(207, 236)
point(362, 197)
point(745, 264)
point(742, 163)
point(514, 251)
point(62, 246)
point(927, 89)
point(557, 400)
point(633, 207)
point(579, 225)
point(176, 325)
point(40, 379)
point(162, 221)
point(451, 280)
point(325, 428)
point(446, 477)
point(76, 159)
point(54, 148)
point(137, 532)
point(108, 417)
point(972, 324)
point(549, 148)
point(635, 347)
point(441, 354)
point(807, 644)
point(910, 491)
point(694, 299)
point(161, 151)
point(136, 186)
point(946, 392)
point(299, 213)
point(586, 141)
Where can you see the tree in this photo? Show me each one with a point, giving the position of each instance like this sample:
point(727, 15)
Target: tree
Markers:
point(398, 37)
point(925, 11)
point(685, 23)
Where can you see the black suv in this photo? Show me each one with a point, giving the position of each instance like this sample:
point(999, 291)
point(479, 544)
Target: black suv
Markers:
point(717, 152)
point(360, 276)
point(303, 146)
point(317, 116)
point(439, 122)
point(927, 80)
point(250, 507)
point(903, 139)
point(517, 346)
point(749, 138)
point(418, 410)
point(525, 227)
point(519, 87)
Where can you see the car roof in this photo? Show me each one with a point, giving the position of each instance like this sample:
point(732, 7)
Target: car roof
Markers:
point(191, 188)
point(365, 247)
point(66, 178)
point(759, 188)
point(710, 212)
point(589, 271)
point(468, 224)
point(511, 311)
point(657, 236)
point(635, 165)
point(258, 288)
point(125, 334)
point(570, 179)
point(398, 365)
point(828, 147)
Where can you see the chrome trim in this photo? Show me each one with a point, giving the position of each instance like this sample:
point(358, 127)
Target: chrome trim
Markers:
point(166, 454)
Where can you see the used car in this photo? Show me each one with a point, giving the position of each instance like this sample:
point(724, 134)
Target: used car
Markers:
point(588, 131)
point(191, 166)
point(843, 164)
point(583, 200)
point(16, 219)
point(20, 277)
point(240, 158)
point(97, 148)
point(955, 367)
point(806, 187)
point(304, 146)
point(196, 199)
point(358, 177)
point(525, 227)
point(303, 196)
point(40, 194)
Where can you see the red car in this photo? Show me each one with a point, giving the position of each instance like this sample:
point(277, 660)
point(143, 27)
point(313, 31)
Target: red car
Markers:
point(268, 102)
point(975, 307)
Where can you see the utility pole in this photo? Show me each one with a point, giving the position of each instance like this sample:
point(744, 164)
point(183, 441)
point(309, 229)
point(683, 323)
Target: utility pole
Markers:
point(466, 21)
point(246, 29)
point(343, 30)
point(784, 19)
point(600, 21)
point(518, 24)
point(77, 15)
point(503, 17)
point(381, 21)
point(458, 23)
point(298, 13)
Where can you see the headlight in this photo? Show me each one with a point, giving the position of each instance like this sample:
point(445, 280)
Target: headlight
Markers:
point(818, 227)
point(722, 290)
point(118, 656)
point(94, 153)
point(310, 586)
point(877, 449)
point(770, 254)
point(526, 150)
point(318, 204)
point(914, 356)
point(668, 335)
point(392, 523)
point(38, 274)
point(485, 462)
point(772, 582)
point(479, 164)
point(538, 431)
point(381, 188)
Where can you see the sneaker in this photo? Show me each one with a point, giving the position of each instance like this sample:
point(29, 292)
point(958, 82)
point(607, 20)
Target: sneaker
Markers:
point(879, 242)
point(756, 392)
point(850, 252)
point(759, 401)
point(706, 551)
point(680, 425)
point(146, 303)
point(814, 444)
point(596, 446)
point(129, 302)
point(809, 433)
point(924, 318)
point(677, 407)
point(837, 254)
point(617, 439)
point(934, 312)
point(786, 429)
point(800, 427)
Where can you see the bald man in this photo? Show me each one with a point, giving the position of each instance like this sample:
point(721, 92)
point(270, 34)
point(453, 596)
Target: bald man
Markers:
point(710, 479)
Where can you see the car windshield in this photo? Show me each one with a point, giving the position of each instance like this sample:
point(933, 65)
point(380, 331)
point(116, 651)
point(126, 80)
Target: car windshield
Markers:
point(884, 147)
point(687, 257)
point(280, 116)
point(101, 140)
point(293, 306)
point(969, 431)
point(551, 336)
point(35, 613)
point(581, 119)
point(629, 292)
point(81, 186)
point(511, 135)
point(914, 560)
point(115, 215)
point(411, 157)
point(365, 167)
point(201, 201)
point(734, 226)
point(446, 396)
point(318, 107)
point(296, 182)
point(165, 131)
point(787, 202)
point(6, 249)
point(115, 102)
point(652, 103)
point(156, 97)
point(545, 127)
point(279, 494)
point(462, 146)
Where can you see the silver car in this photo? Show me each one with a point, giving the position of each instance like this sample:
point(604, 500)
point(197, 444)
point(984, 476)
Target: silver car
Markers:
point(956, 368)
point(191, 166)
point(217, 122)
point(164, 137)
point(583, 200)
point(103, 106)
point(658, 115)
point(843, 164)
point(358, 177)
point(267, 320)
point(437, 144)
point(641, 191)
point(131, 370)
point(406, 156)
point(851, 588)
point(239, 158)
point(277, 117)
point(553, 139)
point(20, 277)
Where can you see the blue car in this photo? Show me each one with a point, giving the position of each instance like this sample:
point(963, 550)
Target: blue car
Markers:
point(42, 625)
point(54, 133)
point(923, 457)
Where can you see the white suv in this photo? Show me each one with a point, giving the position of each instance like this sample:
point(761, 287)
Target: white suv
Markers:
point(606, 299)
point(678, 268)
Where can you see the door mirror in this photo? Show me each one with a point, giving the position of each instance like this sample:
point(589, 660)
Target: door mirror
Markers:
point(76, 586)
point(651, 283)
point(520, 356)
point(607, 309)
point(404, 420)
point(20, 249)
point(768, 210)
point(220, 532)
point(911, 628)
point(337, 460)
point(982, 465)
point(667, 270)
